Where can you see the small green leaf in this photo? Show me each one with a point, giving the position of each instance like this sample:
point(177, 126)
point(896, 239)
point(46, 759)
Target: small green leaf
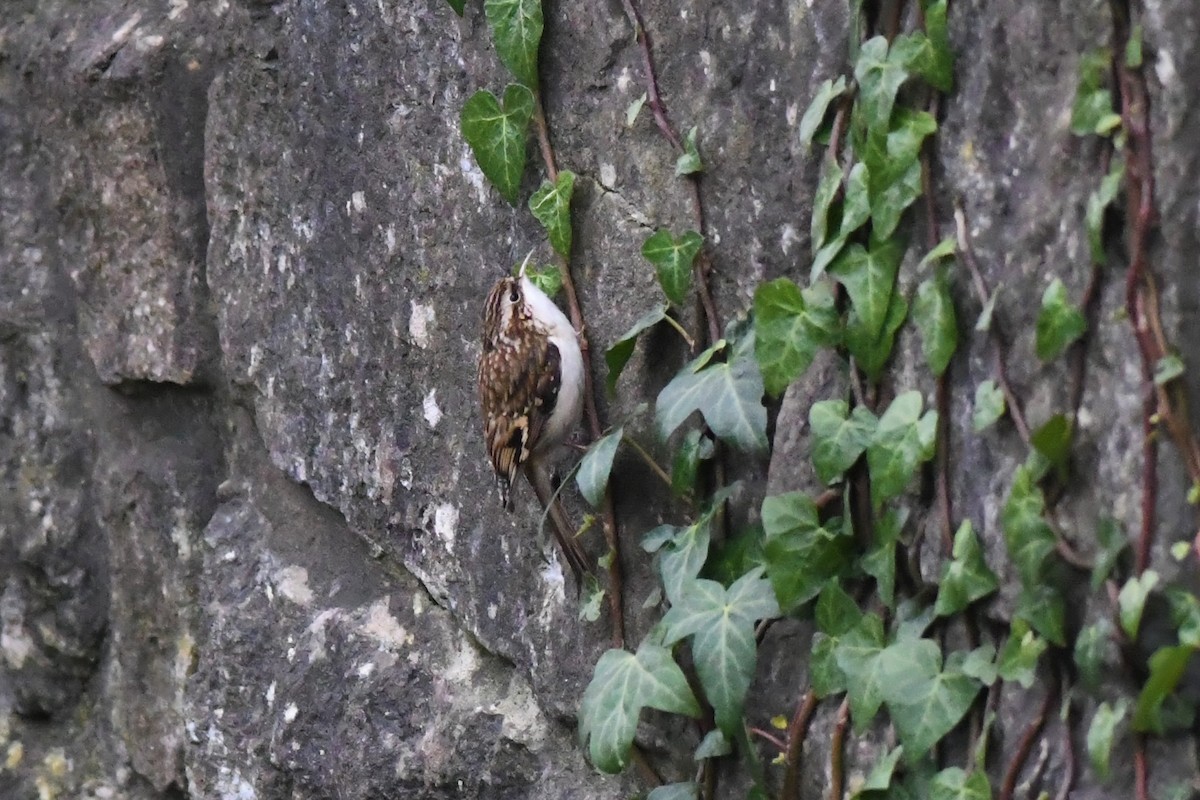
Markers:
point(836, 612)
point(955, 784)
point(880, 561)
point(827, 92)
point(622, 684)
point(1093, 108)
point(1053, 441)
point(634, 109)
point(497, 135)
point(617, 356)
point(979, 663)
point(801, 555)
point(1092, 647)
point(871, 351)
point(1167, 369)
point(674, 791)
point(1167, 666)
point(944, 249)
point(689, 161)
point(1018, 660)
point(790, 325)
point(924, 702)
point(672, 259)
point(967, 577)
point(870, 280)
point(551, 205)
point(594, 469)
point(880, 777)
point(713, 745)
point(840, 436)
point(1028, 536)
point(694, 448)
point(1112, 543)
point(880, 74)
point(989, 405)
point(548, 279)
point(1059, 322)
point(1098, 203)
point(728, 394)
point(1185, 614)
point(1132, 601)
point(593, 596)
point(895, 168)
point(902, 441)
point(720, 623)
point(933, 312)
point(828, 186)
point(1101, 734)
point(939, 69)
point(1043, 607)
point(517, 28)
point(457, 5)
point(858, 656)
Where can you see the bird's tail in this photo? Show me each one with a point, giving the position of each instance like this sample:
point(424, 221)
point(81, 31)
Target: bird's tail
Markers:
point(564, 532)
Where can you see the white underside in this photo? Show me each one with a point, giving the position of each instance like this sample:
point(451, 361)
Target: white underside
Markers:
point(569, 406)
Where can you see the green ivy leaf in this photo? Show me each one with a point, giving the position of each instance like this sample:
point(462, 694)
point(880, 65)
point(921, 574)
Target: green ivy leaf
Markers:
point(939, 69)
point(1058, 324)
point(694, 448)
point(856, 210)
point(457, 5)
point(1167, 369)
point(551, 205)
point(1043, 607)
point(880, 561)
point(548, 279)
point(880, 777)
point(872, 351)
point(827, 92)
point(622, 684)
point(721, 626)
point(674, 791)
point(617, 356)
point(672, 259)
point(955, 784)
point(967, 577)
point(713, 745)
point(1101, 734)
point(689, 161)
point(895, 168)
point(859, 657)
point(1093, 108)
point(933, 312)
point(801, 555)
point(789, 327)
point(836, 612)
point(880, 74)
point(1091, 649)
point(1053, 441)
point(590, 602)
point(728, 394)
point(1028, 536)
point(870, 280)
point(1167, 666)
point(517, 28)
point(1185, 614)
point(827, 189)
point(596, 466)
point(497, 134)
point(682, 551)
point(924, 701)
point(903, 440)
point(1018, 660)
point(979, 663)
point(840, 436)
point(1132, 601)
point(989, 405)
point(1098, 202)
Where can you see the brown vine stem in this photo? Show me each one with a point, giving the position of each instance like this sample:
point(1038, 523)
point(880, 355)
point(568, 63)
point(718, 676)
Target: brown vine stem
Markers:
point(967, 252)
point(797, 732)
point(611, 537)
point(836, 767)
point(1141, 771)
point(1026, 745)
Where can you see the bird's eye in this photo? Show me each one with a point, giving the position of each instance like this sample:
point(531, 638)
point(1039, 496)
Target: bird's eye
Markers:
point(514, 294)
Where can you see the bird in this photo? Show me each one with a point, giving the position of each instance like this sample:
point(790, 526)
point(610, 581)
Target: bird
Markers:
point(531, 385)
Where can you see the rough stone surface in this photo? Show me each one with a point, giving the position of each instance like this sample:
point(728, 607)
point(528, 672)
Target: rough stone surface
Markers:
point(248, 543)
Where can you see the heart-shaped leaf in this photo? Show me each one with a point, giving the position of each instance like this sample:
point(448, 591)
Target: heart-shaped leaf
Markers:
point(496, 135)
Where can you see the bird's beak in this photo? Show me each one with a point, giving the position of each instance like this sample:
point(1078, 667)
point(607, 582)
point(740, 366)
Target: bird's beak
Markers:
point(524, 264)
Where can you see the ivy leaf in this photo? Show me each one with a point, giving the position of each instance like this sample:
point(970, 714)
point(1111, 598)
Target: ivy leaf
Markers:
point(955, 784)
point(1029, 538)
point(790, 325)
point(924, 701)
point(895, 167)
point(872, 351)
point(689, 161)
point(840, 436)
point(827, 92)
point(979, 663)
point(933, 312)
point(989, 405)
point(1058, 324)
point(1185, 614)
point(1091, 647)
point(497, 134)
point(1167, 369)
point(682, 551)
point(617, 356)
point(801, 555)
point(880, 561)
point(674, 791)
point(622, 684)
point(551, 205)
point(517, 28)
point(457, 5)
point(858, 656)
point(548, 279)
point(1101, 734)
point(967, 577)
point(880, 74)
point(1167, 666)
point(939, 70)
point(903, 440)
point(1043, 607)
point(1018, 660)
point(721, 625)
point(836, 612)
point(672, 259)
point(593, 596)
point(1053, 440)
point(1132, 601)
point(827, 189)
point(1093, 108)
point(1098, 202)
point(728, 395)
point(596, 466)
point(694, 448)
point(880, 777)
point(870, 280)
point(713, 745)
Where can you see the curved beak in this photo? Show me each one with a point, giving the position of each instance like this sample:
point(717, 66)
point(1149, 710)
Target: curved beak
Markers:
point(524, 264)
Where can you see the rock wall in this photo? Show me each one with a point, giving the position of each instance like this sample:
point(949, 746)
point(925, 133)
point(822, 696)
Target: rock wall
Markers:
point(248, 544)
